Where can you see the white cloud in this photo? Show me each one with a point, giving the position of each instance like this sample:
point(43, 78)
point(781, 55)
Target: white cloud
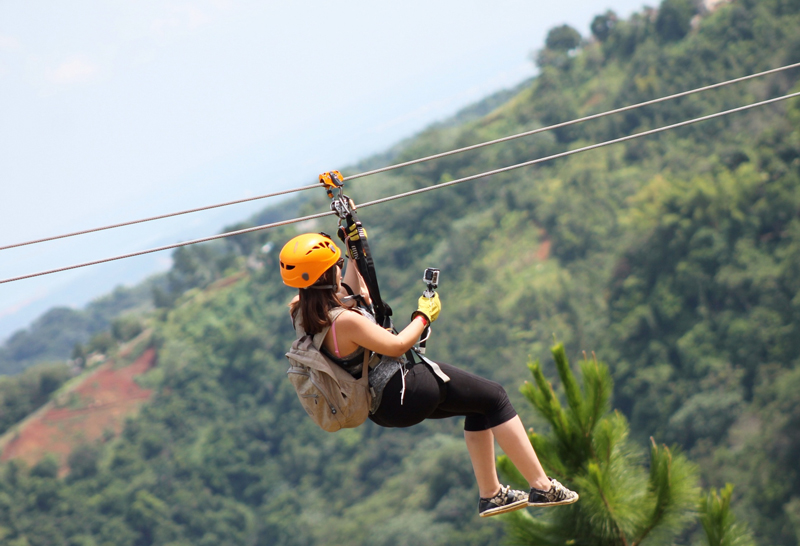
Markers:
point(74, 70)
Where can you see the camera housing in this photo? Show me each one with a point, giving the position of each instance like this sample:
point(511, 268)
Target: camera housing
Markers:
point(431, 277)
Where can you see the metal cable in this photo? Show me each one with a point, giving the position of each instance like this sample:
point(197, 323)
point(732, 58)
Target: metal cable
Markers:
point(414, 192)
point(161, 217)
point(168, 247)
point(568, 123)
point(420, 160)
point(578, 150)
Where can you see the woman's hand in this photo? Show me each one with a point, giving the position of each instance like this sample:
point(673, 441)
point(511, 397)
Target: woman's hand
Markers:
point(428, 307)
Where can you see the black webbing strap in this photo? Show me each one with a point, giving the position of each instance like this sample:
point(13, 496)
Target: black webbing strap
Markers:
point(359, 250)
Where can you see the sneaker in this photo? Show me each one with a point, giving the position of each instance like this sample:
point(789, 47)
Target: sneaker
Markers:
point(555, 496)
point(506, 500)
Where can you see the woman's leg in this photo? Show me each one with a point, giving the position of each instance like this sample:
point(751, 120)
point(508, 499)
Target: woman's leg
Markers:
point(514, 441)
point(490, 416)
point(480, 445)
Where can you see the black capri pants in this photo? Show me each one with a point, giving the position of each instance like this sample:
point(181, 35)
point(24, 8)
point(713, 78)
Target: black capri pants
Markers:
point(484, 403)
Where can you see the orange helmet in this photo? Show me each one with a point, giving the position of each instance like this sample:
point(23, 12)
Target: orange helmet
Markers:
point(306, 257)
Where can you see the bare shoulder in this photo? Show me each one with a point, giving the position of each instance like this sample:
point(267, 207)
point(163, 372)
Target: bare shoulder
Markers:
point(353, 318)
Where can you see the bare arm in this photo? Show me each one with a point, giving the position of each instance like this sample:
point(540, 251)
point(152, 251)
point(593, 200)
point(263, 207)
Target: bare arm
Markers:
point(353, 330)
point(352, 278)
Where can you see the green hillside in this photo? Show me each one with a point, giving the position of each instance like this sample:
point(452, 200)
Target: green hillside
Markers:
point(675, 258)
point(54, 335)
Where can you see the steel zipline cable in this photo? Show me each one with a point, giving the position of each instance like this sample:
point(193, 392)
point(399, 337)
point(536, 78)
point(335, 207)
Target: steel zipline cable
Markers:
point(418, 191)
point(419, 160)
point(160, 217)
point(572, 122)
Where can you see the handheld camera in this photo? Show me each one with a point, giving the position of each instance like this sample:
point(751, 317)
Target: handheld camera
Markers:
point(431, 279)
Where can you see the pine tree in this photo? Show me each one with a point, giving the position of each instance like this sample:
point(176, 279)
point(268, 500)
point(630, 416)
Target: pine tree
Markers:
point(718, 522)
point(624, 502)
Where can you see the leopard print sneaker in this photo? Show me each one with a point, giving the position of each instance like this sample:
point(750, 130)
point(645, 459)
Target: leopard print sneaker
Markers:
point(555, 496)
point(506, 500)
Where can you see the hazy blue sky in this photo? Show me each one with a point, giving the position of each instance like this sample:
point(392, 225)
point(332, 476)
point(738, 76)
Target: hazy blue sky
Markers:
point(112, 111)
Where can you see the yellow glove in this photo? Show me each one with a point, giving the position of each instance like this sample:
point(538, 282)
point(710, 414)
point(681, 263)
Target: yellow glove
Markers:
point(430, 307)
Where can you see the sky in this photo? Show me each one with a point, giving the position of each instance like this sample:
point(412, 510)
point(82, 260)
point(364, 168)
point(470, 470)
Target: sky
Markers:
point(113, 111)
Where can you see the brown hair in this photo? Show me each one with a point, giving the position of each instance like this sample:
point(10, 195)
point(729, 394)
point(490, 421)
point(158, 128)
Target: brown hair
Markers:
point(315, 303)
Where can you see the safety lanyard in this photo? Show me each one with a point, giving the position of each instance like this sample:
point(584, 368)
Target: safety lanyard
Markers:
point(344, 207)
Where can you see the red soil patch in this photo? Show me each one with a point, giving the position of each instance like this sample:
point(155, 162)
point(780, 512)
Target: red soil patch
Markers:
point(543, 251)
point(100, 403)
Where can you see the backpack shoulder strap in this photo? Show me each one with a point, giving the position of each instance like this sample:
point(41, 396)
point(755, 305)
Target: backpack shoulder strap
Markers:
point(335, 312)
point(319, 337)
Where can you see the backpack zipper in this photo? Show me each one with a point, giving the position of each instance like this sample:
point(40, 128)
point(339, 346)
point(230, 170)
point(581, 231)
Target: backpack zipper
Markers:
point(320, 389)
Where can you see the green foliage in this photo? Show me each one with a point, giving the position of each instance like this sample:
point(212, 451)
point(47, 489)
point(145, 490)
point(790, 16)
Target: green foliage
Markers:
point(103, 343)
point(193, 267)
point(626, 36)
point(589, 447)
point(675, 19)
point(126, 327)
point(561, 42)
point(574, 427)
point(46, 468)
point(22, 394)
point(602, 25)
point(562, 38)
point(718, 521)
point(83, 461)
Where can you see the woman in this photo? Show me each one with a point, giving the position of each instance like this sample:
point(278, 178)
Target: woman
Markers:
point(406, 392)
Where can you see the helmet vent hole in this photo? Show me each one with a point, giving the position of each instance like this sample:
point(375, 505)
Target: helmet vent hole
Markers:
point(289, 267)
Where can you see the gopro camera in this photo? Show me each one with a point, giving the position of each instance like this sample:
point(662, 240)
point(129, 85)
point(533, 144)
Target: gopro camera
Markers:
point(431, 277)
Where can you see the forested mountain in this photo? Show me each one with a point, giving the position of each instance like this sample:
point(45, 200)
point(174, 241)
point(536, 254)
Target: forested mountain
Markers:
point(675, 258)
point(54, 335)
